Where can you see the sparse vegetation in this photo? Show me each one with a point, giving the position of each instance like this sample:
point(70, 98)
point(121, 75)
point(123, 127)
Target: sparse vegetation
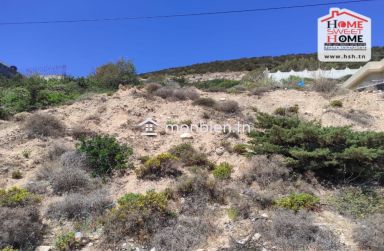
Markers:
point(217, 85)
point(41, 124)
point(104, 153)
point(357, 202)
point(287, 111)
point(296, 231)
point(222, 171)
point(65, 241)
point(296, 202)
point(80, 206)
point(369, 233)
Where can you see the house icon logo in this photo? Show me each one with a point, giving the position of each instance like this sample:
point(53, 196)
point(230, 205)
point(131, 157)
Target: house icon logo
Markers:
point(344, 36)
point(148, 127)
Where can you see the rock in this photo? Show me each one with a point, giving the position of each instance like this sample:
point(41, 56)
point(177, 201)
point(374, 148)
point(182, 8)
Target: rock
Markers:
point(78, 236)
point(153, 249)
point(44, 248)
point(222, 99)
point(264, 215)
point(256, 237)
point(220, 151)
point(186, 135)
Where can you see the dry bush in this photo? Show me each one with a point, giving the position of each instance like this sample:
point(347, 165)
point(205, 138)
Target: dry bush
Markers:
point(324, 85)
point(186, 233)
point(40, 124)
point(296, 231)
point(369, 233)
point(198, 191)
point(64, 180)
point(164, 92)
point(260, 90)
point(20, 228)
point(152, 87)
point(228, 106)
point(56, 150)
point(207, 102)
point(80, 206)
point(73, 159)
point(265, 170)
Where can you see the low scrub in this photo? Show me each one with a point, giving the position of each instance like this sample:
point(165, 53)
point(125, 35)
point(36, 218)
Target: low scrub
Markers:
point(38, 125)
point(336, 103)
point(240, 148)
point(356, 202)
point(297, 231)
point(137, 216)
point(20, 228)
point(186, 233)
point(228, 106)
point(265, 170)
point(324, 85)
point(162, 165)
point(287, 111)
point(335, 153)
point(176, 93)
point(189, 155)
point(222, 171)
point(296, 202)
point(104, 154)
point(80, 206)
point(207, 102)
point(369, 233)
point(65, 241)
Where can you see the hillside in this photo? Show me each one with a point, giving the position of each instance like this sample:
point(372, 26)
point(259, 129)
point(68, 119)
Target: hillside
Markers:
point(6, 71)
point(297, 62)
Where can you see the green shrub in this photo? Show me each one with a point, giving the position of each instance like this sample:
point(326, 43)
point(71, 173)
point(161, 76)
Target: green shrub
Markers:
point(8, 248)
point(222, 171)
point(112, 74)
point(217, 85)
point(17, 175)
point(104, 153)
point(356, 202)
point(233, 213)
point(16, 100)
point(189, 155)
point(296, 202)
point(240, 148)
point(15, 197)
point(162, 165)
point(138, 216)
point(331, 152)
point(65, 241)
point(208, 102)
point(337, 103)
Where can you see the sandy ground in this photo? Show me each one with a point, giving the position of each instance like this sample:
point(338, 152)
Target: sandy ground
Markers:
point(120, 113)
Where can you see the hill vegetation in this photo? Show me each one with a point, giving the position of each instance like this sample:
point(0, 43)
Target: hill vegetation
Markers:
point(295, 62)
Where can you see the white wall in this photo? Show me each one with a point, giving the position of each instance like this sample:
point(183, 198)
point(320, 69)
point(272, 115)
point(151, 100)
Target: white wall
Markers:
point(333, 74)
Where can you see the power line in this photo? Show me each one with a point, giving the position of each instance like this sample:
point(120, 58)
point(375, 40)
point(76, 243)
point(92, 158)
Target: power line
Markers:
point(182, 15)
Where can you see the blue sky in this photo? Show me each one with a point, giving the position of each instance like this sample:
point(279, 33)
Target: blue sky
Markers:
point(161, 43)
